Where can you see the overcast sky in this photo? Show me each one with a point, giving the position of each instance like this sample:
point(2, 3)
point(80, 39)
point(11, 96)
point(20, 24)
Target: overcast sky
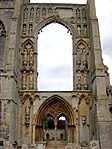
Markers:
point(60, 76)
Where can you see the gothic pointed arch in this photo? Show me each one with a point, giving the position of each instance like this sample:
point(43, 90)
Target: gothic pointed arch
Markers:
point(27, 96)
point(28, 41)
point(81, 41)
point(53, 19)
point(78, 14)
point(2, 41)
point(56, 106)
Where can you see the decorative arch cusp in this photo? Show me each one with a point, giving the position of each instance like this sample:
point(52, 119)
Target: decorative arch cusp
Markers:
point(56, 106)
point(81, 41)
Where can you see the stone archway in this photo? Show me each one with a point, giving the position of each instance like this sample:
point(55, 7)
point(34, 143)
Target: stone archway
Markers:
point(56, 106)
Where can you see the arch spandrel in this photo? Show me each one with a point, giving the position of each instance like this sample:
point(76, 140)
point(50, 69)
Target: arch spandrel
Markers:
point(53, 19)
point(56, 106)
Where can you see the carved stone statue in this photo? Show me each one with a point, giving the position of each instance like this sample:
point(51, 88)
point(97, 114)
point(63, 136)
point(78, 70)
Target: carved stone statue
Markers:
point(24, 79)
point(31, 77)
point(79, 30)
point(25, 54)
point(79, 80)
point(31, 13)
point(31, 56)
point(25, 15)
point(84, 55)
point(30, 28)
point(85, 30)
point(78, 58)
point(24, 29)
point(78, 14)
point(27, 114)
point(43, 11)
point(85, 80)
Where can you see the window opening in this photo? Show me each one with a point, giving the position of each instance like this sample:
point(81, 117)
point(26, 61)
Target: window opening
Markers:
point(55, 58)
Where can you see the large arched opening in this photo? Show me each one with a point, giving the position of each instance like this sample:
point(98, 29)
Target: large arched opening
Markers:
point(55, 61)
point(55, 121)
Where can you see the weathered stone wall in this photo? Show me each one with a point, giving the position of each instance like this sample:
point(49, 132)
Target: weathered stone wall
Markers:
point(87, 108)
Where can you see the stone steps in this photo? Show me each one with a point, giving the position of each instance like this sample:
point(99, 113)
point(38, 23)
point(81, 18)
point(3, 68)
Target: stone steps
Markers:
point(55, 145)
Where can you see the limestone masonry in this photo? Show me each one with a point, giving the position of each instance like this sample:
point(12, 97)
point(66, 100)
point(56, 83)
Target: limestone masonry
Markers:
point(30, 118)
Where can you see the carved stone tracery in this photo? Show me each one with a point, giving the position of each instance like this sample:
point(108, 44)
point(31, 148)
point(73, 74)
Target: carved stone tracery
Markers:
point(82, 66)
point(55, 109)
point(27, 66)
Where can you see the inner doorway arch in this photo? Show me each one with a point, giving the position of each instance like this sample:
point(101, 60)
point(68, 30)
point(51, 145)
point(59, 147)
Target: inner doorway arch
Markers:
point(55, 107)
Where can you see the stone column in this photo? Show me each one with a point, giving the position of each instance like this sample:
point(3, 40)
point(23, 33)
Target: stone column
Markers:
point(55, 133)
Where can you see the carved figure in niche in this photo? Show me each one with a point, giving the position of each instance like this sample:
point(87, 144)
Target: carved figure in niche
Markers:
point(31, 77)
point(31, 57)
point(25, 54)
point(27, 114)
point(79, 30)
point(28, 47)
point(24, 79)
point(25, 15)
point(78, 57)
point(78, 14)
point(79, 80)
point(85, 30)
point(50, 10)
point(83, 120)
point(37, 15)
point(31, 13)
point(72, 20)
point(30, 28)
point(84, 59)
point(85, 80)
point(31, 53)
point(37, 12)
point(43, 11)
point(25, 57)
point(84, 14)
point(24, 29)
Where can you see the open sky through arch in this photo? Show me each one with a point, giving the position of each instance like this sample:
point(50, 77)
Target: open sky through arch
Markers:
point(54, 58)
point(104, 14)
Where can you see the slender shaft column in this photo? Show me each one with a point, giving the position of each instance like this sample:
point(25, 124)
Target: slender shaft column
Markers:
point(55, 136)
